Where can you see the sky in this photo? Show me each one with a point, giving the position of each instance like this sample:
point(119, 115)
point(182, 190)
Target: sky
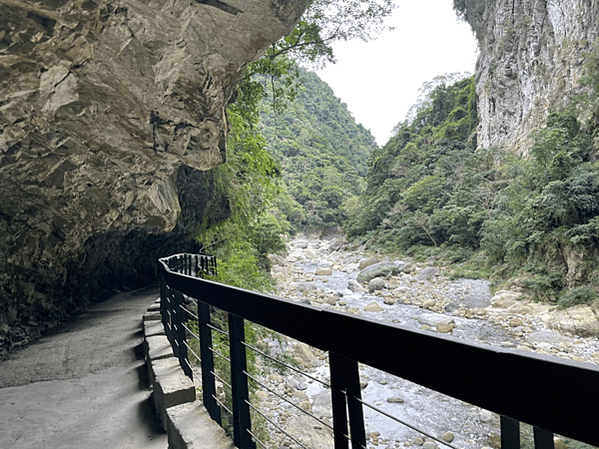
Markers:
point(379, 80)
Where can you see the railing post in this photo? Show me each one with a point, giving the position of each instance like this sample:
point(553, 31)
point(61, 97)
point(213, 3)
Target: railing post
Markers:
point(239, 382)
point(175, 324)
point(163, 292)
point(510, 433)
point(208, 380)
point(167, 315)
point(543, 439)
point(346, 397)
point(340, 428)
point(181, 335)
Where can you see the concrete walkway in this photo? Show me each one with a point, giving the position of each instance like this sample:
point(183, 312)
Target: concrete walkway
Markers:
point(85, 386)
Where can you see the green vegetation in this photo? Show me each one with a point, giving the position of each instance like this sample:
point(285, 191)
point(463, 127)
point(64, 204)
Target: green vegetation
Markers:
point(423, 187)
point(322, 151)
point(250, 181)
point(431, 192)
point(324, 160)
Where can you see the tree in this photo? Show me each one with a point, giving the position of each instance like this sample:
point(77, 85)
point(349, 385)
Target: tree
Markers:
point(327, 21)
point(250, 180)
point(461, 9)
point(310, 43)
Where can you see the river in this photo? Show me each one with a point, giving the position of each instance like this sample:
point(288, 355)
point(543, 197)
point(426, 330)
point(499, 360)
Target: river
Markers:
point(323, 272)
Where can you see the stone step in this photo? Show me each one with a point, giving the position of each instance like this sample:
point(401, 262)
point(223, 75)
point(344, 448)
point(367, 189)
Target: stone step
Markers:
point(189, 426)
point(170, 387)
point(153, 328)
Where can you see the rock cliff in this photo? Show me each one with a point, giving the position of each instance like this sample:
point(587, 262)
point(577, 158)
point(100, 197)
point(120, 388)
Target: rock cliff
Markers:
point(112, 113)
point(531, 57)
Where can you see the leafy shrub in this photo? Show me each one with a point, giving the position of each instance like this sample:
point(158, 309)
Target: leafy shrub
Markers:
point(579, 295)
point(544, 283)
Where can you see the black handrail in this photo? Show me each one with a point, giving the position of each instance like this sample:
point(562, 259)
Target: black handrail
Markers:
point(518, 385)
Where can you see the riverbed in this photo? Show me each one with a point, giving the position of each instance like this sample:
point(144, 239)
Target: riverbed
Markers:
point(323, 272)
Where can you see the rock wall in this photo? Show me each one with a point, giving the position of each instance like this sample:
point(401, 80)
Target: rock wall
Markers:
point(531, 57)
point(112, 113)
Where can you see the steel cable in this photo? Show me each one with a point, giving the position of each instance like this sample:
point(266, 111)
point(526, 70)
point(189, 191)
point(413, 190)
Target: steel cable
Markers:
point(382, 412)
point(289, 402)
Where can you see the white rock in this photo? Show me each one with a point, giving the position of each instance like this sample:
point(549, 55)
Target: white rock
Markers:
point(376, 284)
point(434, 319)
point(373, 307)
point(505, 298)
point(578, 320)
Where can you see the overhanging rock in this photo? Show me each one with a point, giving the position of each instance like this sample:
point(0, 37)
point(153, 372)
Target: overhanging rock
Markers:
point(110, 111)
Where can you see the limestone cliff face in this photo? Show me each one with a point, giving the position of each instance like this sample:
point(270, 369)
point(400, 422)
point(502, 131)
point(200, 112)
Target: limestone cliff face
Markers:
point(112, 113)
point(531, 57)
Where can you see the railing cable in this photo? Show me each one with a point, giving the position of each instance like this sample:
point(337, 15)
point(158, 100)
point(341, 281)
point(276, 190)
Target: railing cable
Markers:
point(274, 424)
point(340, 334)
point(286, 365)
point(192, 351)
point(220, 331)
point(222, 405)
point(289, 402)
point(214, 351)
point(382, 412)
point(189, 312)
point(191, 332)
point(221, 379)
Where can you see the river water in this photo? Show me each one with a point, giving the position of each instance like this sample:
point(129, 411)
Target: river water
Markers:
point(315, 271)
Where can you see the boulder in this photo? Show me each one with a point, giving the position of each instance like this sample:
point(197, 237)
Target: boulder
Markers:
point(427, 273)
point(389, 300)
point(373, 307)
point(303, 428)
point(550, 337)
point(354, 286)
point(309, 254)
point(376, 284)
point(448, 436)
point(302, 244)
point(303, 287)
point(324, 271)
point(322, 405)
point(442, 323)
point(578, 320)
point(337, 244)
point(383, 269)
point(304, 355)
point(505, 298)
point(367, 262)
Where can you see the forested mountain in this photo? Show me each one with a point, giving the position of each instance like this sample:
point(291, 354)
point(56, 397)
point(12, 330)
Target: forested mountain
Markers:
point(432, 191)
point(294, 163)
point(322, 151)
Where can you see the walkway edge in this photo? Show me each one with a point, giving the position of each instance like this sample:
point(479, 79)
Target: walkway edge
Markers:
point(184, 418)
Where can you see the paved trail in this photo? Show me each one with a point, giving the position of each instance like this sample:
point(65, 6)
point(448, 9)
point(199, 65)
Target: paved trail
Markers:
point(84, 387)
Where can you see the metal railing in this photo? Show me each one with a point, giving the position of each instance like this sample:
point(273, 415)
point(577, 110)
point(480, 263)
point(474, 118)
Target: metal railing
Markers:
point(549, 393)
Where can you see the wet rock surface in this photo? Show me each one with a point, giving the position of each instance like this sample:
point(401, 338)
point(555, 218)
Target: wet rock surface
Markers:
point(420, 297)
